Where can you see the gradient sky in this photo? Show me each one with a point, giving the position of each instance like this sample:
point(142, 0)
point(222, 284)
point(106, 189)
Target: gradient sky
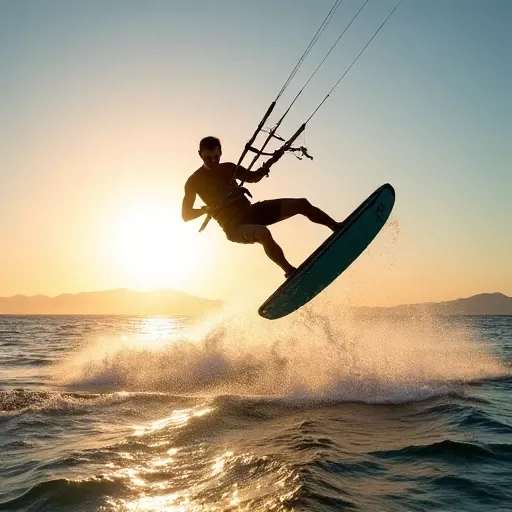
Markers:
point(102, 105)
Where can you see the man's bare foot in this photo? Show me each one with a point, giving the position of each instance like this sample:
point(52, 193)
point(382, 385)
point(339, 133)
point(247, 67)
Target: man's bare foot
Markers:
point(337, 226)
point(290, 272)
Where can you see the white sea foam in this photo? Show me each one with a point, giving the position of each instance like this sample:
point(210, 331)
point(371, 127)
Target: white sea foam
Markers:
point(310, 355)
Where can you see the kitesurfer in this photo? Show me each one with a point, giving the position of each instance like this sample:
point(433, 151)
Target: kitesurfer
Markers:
point(226, 201)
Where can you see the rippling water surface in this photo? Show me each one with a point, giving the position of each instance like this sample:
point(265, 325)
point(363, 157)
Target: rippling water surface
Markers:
point(237, 413)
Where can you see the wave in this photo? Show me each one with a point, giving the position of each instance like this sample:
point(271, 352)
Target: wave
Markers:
point(449, 450)
point(60, 404)
point(312, 356)
point(67, 494)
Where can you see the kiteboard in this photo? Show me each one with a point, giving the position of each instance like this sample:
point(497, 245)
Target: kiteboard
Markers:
point(333, 256)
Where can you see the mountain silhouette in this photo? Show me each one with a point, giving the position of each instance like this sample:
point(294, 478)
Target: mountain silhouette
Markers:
point(110, 302)
point(481, 304)
point(175, 302)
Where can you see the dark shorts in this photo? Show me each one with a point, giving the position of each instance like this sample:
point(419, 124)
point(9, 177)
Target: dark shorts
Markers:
point(263, 213)
point(266, 212)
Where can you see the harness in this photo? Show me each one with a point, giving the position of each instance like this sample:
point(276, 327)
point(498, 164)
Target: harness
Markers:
point(229, 200)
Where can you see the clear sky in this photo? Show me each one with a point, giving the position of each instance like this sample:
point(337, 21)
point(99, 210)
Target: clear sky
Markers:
point(102, 105)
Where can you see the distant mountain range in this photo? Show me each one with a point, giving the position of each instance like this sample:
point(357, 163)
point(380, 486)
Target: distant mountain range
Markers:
point(172, 302)
point(110, 302)
point(481, 304)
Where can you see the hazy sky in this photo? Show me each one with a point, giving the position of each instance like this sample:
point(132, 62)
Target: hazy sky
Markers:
point(102, 105)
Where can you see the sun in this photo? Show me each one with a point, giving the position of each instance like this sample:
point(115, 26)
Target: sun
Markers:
point(150, 246)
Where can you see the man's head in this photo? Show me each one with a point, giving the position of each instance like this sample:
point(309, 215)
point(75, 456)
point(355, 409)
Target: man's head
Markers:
point(210, 152)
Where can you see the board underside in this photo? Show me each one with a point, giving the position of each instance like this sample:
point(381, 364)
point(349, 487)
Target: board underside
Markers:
point(333, 256)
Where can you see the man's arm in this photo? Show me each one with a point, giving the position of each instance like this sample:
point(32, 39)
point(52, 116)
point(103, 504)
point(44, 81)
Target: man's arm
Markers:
point(188, 212)
point(251, 176)
point(255, 176)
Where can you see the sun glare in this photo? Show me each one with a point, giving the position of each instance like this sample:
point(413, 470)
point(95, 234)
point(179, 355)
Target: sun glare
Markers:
point(151, 247)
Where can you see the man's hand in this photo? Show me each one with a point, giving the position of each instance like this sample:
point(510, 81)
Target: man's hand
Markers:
point(274, 158)
point(278, 154)
point(194, 213)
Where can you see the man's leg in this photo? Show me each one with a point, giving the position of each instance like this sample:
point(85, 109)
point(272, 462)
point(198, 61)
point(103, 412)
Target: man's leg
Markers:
point(272, 249)
point(257, 233)
point(291, 207)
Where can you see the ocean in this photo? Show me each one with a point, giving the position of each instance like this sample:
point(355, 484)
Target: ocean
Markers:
point(315, 412)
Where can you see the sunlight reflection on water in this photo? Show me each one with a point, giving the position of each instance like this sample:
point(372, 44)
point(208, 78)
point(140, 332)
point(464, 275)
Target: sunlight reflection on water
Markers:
point(178, 417)
point(203, 478)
